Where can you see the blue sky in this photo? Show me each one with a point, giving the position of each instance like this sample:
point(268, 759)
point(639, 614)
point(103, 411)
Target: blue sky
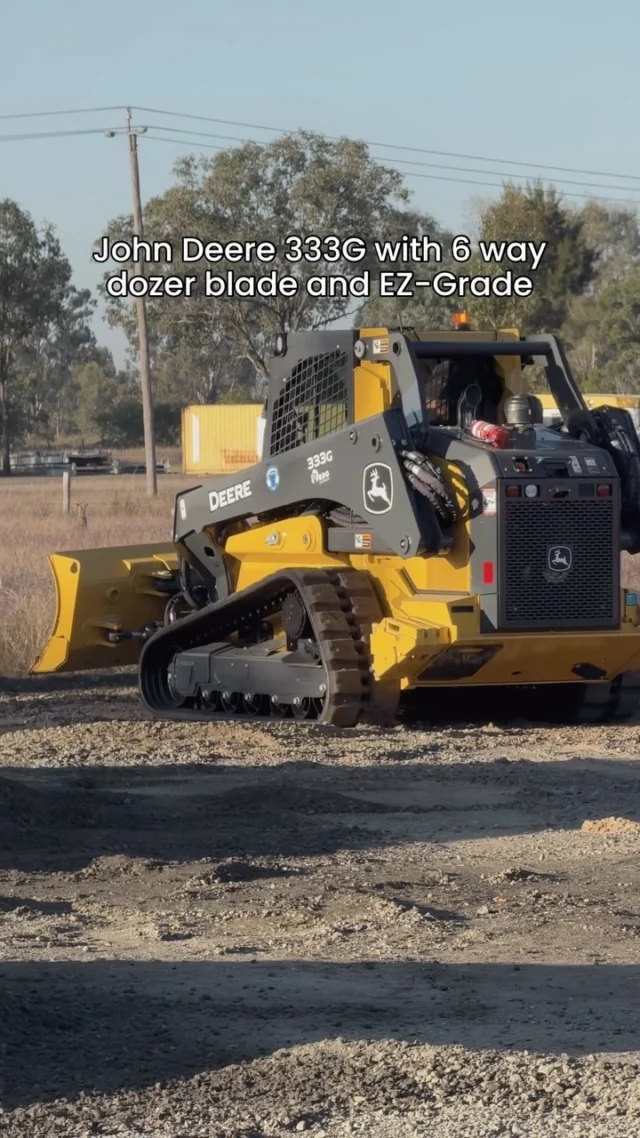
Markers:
point(553, 83)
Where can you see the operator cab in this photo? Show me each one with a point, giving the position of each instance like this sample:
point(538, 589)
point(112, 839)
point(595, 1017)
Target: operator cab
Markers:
point(459, 390)
point(467, 387)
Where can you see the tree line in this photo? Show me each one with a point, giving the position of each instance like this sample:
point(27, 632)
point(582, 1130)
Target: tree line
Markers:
point(57, 382)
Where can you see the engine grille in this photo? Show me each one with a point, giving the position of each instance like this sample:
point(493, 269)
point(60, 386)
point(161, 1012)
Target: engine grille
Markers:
point(532, 533)
point(313, 402)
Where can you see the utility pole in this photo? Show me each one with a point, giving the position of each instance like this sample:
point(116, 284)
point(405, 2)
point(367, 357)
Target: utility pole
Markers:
point(141, 313)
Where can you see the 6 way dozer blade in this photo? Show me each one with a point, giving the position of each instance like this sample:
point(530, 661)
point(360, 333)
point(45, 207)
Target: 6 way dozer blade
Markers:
point(102, 595)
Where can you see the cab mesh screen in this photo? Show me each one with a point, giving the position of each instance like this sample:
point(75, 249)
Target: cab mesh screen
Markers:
point(446, 380)
point(314, 401)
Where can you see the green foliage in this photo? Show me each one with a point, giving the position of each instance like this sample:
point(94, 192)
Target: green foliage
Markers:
point(300, 184)
point(56, 381)
point(48, 362)
point(602, 329)
point(40, 317)
point(566, 269)
point(121, 424)
point(168, 421)
point(586, 287)
point(236, 395)
point(614, 237)
point(424, 310)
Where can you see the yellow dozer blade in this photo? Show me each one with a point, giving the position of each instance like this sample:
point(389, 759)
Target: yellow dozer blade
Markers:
point(103, 591)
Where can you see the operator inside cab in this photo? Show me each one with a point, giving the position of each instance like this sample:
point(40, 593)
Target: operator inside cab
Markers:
point(446, 381)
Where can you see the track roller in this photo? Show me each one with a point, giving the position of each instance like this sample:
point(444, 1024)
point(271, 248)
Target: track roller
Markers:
point(315, 665)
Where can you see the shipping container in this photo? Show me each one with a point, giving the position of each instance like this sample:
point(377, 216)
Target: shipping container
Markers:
point(220, 438)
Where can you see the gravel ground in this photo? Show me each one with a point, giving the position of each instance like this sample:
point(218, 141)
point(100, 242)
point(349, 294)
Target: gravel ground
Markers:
point(260, 930)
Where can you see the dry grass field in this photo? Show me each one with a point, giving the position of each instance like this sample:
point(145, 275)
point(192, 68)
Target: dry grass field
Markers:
point(172, 454)
point(117, 512)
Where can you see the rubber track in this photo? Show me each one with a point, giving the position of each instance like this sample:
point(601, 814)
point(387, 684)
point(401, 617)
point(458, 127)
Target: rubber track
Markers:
point(341, 605)
point(610, 703)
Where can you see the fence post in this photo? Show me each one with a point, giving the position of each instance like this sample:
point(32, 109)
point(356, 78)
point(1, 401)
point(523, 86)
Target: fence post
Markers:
point(66, 492)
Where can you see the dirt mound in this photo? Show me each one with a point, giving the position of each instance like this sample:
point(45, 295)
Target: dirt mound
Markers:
point(304, 1088)
point(610, 826)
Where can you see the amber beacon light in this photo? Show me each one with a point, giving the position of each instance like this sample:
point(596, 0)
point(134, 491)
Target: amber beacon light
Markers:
point(461, 321)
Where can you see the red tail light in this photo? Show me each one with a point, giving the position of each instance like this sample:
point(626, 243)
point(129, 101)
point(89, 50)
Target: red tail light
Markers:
point(487, 572)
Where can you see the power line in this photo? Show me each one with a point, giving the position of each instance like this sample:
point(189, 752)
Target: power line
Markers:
point(332, 138)
point(394, 146)
point(413, 173)
point(202, 134)
point(402, 161)
point(183, 142)
point(505, 174)
point(407, 173)
point(73, 111)
point(51, 134)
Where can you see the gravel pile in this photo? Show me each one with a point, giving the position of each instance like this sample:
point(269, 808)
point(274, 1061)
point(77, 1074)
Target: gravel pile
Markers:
point(191, 915)
point(346, 1086)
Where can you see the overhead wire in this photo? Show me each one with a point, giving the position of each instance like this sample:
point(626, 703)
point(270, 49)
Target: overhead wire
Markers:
point(394, 145)
point(333, 138)
point(409, 173)
point(73, 111)
point(54, 134)
point(402, 161)
point(413, 173)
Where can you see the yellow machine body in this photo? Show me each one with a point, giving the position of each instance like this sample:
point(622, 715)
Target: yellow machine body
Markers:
point(431, 613)
point(430, 634)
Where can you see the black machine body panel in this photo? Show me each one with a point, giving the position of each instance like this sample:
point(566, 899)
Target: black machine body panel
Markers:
point(257, 669)
point(544, 512)
point(355, 466)
point(544, 526)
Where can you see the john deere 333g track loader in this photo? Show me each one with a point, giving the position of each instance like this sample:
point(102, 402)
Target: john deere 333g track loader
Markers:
point(389, 542)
